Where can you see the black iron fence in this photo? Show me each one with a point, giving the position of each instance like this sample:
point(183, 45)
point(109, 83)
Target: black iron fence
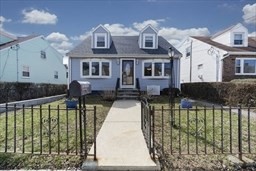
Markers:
point(200, 130)
point(48, 130)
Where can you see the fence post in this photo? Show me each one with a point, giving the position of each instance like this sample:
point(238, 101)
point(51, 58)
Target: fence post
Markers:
point(95, 134)
point(240, 132)
point(153, 131)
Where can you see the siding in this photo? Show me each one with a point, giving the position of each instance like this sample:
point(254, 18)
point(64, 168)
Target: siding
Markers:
point(29, 54)
point(99, 84)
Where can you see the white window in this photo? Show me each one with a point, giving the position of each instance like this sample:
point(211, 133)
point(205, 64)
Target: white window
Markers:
point(56, 74)
point(43, 54)
point(245, 66)
point(95, 68)
point(25, 71)
point(238, 39)
point(100, 40)
point(156, 69)
point(148, 41)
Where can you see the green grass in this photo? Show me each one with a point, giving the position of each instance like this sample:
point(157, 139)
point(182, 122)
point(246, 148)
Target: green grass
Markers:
point(187, 138)
point(34, 137)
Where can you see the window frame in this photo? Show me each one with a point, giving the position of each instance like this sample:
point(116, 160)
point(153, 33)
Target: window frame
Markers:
point(56, 75)
point(27, 67)
point(43, 54)
point(242, 66)
point(153, 62)
point(96, 40)
point(234, 35)
point(188, 51)
point(144, 40)
point(100, 61)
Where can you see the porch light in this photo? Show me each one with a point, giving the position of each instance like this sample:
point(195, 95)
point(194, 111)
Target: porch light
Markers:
point(171, 54)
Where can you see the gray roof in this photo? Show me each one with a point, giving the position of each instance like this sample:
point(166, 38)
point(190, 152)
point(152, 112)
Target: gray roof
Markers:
point(122, 46)
point(250, 48)
point(18, 40)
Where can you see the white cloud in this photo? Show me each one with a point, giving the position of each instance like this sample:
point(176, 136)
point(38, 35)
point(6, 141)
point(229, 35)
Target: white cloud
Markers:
point(35, 16)
point(57, 37)
point(154, 23)
point(60, 42)
point(2, 21)
point(253, 34)
point(175, 36)
point(249, 13)
point(120, 29)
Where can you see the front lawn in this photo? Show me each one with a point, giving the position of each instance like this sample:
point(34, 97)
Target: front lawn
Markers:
point(26, 134)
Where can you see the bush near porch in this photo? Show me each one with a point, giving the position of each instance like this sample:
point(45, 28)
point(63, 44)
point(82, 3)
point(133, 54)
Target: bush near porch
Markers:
point(226, 93)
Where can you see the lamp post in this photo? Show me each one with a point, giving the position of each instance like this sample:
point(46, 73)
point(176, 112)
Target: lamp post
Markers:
point(171, 91)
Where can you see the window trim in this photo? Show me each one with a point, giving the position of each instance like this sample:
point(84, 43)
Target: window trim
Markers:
point(163, 61)
point(25, 71)
point(96, 38)
point(56, 75)
point(90, 61)
point(43, 54)
point(243, 39)
point(188, 51)
point(144, 41)
point(242, 66)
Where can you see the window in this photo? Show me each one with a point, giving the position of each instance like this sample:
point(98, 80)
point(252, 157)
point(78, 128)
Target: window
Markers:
point(56, 74)
point(100, 40)
point(188, 51)
point(238, 39)
point(95, 68)
point(158, 69)
point(200, 66)
point(25, 71)
point(43, 54)
point(148, 41)
point(245, 66)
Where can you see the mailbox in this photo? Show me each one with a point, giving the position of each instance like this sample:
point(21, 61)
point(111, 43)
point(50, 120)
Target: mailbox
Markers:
point(79, 88)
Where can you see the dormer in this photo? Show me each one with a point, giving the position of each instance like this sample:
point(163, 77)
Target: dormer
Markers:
point(101, 38)
point(148, 38)
point(235, 36)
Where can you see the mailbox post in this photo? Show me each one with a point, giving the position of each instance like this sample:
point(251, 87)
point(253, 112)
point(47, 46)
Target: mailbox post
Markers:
point(79, 89)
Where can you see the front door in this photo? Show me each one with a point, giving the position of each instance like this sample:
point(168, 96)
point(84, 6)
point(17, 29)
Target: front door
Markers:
point(127, 73)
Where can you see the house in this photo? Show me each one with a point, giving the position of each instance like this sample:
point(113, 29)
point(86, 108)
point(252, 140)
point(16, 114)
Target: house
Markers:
point(227, 55)
point(30, 59)
point(123, 62)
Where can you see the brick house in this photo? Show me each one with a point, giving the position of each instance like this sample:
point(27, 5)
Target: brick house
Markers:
point(227, 55)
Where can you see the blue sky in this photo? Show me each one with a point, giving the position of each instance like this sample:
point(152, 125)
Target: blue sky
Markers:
point(66, 22)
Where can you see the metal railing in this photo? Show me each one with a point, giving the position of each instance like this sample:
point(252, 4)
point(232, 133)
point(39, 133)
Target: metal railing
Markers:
point(48, 130)
point(201, 130)
point(147, 126)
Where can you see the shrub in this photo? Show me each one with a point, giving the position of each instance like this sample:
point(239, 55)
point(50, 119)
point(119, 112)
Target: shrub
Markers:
point(228, 93)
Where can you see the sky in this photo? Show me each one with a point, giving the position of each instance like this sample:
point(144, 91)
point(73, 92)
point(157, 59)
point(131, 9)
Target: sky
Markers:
point(65, 23)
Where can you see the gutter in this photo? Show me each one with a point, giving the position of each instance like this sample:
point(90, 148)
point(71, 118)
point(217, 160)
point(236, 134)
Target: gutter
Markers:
point(239, 53)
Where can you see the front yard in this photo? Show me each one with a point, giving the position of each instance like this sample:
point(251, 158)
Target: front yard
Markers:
point(64, 137)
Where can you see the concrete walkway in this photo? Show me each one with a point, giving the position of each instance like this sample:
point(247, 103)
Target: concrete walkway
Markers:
point(120, 142)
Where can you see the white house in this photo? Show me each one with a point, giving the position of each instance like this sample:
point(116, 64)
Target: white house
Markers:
point(227, 55)
point(30, 59)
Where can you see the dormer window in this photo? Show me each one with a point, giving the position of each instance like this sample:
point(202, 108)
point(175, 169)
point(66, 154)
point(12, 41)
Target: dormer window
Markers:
point(101, 40)
point(238, 39)
point(149, 41)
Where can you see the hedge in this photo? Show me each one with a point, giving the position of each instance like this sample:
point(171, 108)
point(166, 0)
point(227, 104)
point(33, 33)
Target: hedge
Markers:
point(14, 91)
point(226, 93)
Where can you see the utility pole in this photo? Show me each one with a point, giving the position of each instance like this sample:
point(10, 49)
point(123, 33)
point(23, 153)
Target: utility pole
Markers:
point(16, 48)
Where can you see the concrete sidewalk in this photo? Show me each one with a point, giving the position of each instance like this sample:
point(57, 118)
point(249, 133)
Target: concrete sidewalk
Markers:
point(120, 142)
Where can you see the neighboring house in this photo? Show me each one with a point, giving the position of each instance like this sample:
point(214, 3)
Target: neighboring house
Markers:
point(30, 59)
point(125, 62)
point(227, 55)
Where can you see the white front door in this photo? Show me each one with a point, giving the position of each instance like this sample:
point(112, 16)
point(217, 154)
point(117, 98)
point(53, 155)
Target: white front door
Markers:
point(127, 73)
